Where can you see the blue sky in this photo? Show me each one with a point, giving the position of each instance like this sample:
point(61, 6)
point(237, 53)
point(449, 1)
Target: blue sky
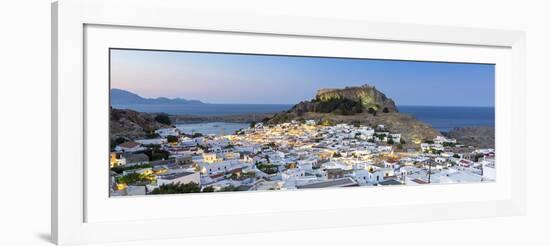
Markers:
point(261, 79)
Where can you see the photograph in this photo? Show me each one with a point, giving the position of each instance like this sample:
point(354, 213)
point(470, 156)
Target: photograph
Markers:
point(207, 122)
point(246, 123)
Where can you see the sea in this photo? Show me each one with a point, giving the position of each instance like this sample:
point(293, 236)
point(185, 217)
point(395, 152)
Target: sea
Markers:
point(445, 119)
point(216, 128)
point(441, 118)
point(206, 109)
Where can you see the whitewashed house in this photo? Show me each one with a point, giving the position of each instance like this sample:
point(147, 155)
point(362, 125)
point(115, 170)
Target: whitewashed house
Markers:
point(307, 164)
point(180, 177)
point(129, 147)
point(165, 132)
point(452, 176)
point(292, 173)
point(154, 141)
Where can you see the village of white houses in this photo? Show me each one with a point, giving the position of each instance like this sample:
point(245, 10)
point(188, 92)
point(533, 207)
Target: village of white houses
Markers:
point(275, 135)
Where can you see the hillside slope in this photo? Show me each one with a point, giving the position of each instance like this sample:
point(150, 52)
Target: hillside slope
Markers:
point(365, 105)
point(129, 124)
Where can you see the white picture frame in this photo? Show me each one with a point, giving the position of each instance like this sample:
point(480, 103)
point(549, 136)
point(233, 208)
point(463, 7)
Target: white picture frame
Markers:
point(80, 211)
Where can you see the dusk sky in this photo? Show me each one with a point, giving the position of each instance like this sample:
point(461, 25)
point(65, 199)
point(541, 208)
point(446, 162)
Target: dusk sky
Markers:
point(260, 79)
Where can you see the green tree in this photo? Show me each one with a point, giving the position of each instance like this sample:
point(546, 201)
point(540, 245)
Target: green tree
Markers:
point(177, 188)
point(390, 141)
point(132, 178)
point(152, 135)
point(267, 168)
point(252, 124)
point(156, 154)
point(117, 141)
point(229, 188)
point(208, 189)
point(172, 139)
point(371, 111)
point(120, 169)
point(163, 119)
point(342, 106)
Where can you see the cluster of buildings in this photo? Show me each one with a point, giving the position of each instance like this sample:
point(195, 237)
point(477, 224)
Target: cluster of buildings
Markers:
point(290, 156)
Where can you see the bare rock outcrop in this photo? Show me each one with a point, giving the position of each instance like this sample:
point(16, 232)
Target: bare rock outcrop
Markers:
point(367, 96)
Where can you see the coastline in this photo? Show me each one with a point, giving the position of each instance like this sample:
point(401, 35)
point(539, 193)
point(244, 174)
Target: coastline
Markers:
point(240, 118)
point(449, 121)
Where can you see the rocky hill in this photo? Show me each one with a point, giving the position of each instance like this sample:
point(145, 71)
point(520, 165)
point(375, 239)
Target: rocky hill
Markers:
point(129, 124)
point(412, 130)
point(365, 105)
point(367, 96)
point(347, 101)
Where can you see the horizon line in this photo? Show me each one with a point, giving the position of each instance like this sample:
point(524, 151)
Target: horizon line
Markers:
point(404, 105)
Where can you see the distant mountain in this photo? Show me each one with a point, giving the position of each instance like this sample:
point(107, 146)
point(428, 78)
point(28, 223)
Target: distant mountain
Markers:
point(122, 97)
point(130, 125)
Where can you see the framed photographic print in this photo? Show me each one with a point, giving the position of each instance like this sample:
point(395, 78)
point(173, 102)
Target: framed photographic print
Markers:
point(269, 122)
point(169, 121)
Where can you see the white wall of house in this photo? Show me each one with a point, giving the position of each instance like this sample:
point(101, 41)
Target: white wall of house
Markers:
point(194, 177)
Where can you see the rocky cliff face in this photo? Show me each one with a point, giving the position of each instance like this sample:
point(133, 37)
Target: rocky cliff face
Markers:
point(129, 124)
point(365, 105)
point(347, 101)
point(368, 97)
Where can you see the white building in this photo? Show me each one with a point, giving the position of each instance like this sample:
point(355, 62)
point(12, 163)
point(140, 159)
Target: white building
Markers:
point(364, 176)
point(231, 156)
point(292, 173)
point(311, 122)
point(396, 137)
point(154, 141)
point(452, 176)
point(209, 157)
point(181, 177)
point(132, 190)
point(215, 167)
point(442, 140)
point(434, 146)
point(144, 171)
point(165, 132)
point(129, 147)
point(307, 164)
